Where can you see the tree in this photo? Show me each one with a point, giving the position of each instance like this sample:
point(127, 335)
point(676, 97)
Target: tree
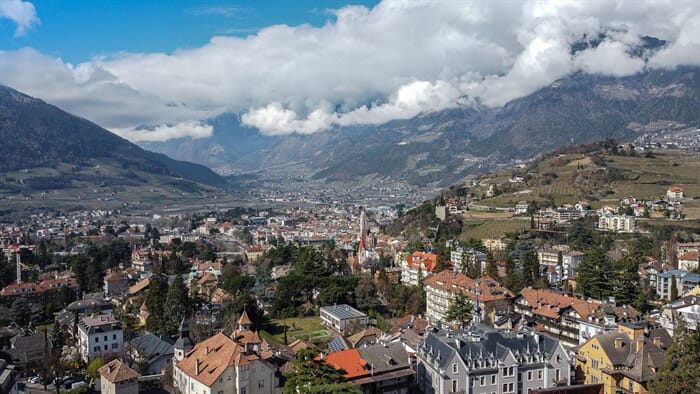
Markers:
point(313, 375)
point(56, 337)
point(595, 275)
point(157, 291)
point(92, 368)
point(177, 305)
point(460, 310)
point(680, 372)
point(20, 311)
point(674, 288)
point(491, 269)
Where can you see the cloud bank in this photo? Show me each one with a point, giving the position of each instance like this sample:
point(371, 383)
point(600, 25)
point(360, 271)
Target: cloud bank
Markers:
point(22, 13)
point(367, 66)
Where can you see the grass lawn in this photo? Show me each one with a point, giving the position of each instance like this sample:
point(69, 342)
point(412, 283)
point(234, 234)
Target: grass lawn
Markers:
point(296, 327)
point(492, 228)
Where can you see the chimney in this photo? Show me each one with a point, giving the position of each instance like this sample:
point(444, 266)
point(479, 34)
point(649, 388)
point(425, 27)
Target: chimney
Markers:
point(206, 350)
point(657, 341)
point(196, 367)
point(639, 344)
point(618, 343)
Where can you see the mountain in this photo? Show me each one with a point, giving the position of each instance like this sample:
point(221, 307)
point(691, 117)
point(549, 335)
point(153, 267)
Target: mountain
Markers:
point(38, 135)
point(440, 148)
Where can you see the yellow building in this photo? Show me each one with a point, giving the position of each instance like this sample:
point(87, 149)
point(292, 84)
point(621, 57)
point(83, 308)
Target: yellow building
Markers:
point(624, 361)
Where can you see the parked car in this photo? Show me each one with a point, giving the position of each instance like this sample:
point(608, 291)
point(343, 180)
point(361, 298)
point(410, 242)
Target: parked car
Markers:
point(77, 384)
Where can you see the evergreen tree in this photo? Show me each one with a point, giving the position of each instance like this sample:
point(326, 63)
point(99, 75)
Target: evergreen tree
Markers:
point(460, 310)
point(177, 305)
point(680, 372)
point(674, 288)
point(595, 275)
point(157, 291)
point(491, 269)
point(314, 376)
point(56, 337)
point(20, 311)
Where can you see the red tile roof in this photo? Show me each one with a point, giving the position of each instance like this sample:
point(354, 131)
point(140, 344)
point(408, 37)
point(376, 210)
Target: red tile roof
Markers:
point(350, 361)
point(485, 288)
point(429, 261)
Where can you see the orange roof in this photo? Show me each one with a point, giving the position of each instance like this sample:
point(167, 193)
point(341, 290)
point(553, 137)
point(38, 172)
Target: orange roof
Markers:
point(693, 256)
point(116, 371)
point(675, 189)
point(428, 260)
point(244, 319)
point(485, 288)
point(350, 361)
point(550, 303)
point(212, 357)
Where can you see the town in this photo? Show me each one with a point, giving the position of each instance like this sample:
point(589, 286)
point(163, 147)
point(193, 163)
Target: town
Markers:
point(337, 299)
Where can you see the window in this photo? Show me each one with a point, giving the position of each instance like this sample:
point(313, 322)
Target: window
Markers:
point(505, 387)
point(97, 339)
point(557, 374)
point(482, 380)
point(493, 379)
point(115, 345)
point(558, 358)
point(244, 390)
point(510, 388)
point(454, 385)
point(105, 337)
point(220, 392)
point(529, 376)
point(96, 349)
point(539, 374)
point(261, 384)
point(106, 347)
point(455, 368)
point(114, 336)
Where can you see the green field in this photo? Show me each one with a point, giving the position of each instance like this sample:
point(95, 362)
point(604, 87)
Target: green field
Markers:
point(298, 327)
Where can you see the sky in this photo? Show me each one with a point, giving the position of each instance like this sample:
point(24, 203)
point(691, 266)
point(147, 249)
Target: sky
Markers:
point(157, 70)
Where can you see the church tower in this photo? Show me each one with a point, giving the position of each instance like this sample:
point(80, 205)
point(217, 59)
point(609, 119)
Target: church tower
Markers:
point(183, 343)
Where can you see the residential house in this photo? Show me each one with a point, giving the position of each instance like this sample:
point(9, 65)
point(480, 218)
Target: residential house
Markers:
point(117, 378)
point(50, 291)
point(487, 295)
point(570, 260)
point(462, 258)
point(555, 313)
point(99, 336)
point(687, 308)
point(624, 361)
point(115, 283)
point(606, 318)
point(417, 266)
point(486, 361)
point(521, 208)
point(617, 223)
point(674, 193)
point(494, 244)
point(156, 350)
point(689, 261)
point(8, 378)
point(343, 318)
point(685, 282)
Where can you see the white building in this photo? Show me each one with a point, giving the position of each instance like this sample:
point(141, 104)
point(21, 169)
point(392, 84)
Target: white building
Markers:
point(617, 223)
point(221, 365)
point(343, 317)
point(460, 257)
point(417, 266)
point(117, 378)
point(99, 336)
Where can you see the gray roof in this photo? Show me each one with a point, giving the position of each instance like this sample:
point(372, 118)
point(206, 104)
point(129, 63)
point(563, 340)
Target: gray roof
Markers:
point(337, 345)
point(484, 347)
point(151, 347)
point(385, 358)
point(343, 311)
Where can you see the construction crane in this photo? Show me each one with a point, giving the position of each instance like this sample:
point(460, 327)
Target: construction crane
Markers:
point(17, 248)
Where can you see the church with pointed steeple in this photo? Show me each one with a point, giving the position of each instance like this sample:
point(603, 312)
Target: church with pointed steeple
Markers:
point(183, 343)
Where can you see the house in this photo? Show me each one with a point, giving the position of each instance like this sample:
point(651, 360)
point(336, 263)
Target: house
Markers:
point(115, 283)
point(624, 360)
point(365, 337)
point(554, 313)
point(99, 336)
point(417, 266)
point(570, 259)
point(685, 247)
point(685, 282)
point(486, 294)
point(117, 378)
point(156, 350)
point(521, 208)
point(606, 318)
point(687, 308)
point(494, 244)
point(27, 348)
point(343, 318)
point(674, 193)
point(617, 223)
point(484, 360)
point(141, 261)
point(468, 257)
point(50, 291)
point(689, 261)
point(8, 378)
point(380, 368)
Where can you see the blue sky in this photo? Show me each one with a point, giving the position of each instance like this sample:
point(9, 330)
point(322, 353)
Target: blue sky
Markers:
point(77, 30)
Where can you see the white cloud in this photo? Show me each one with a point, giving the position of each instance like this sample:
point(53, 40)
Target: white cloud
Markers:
point(22, 13)
point(396, 60)
point(192, 129)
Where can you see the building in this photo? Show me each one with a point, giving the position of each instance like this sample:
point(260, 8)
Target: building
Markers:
point(485, 293)
point(686, 308)
point(221, 365)
point(521, 208)
point(494, 244)
point(468, 257)
point(417, 266)
point(488, 361)
point(624, 361)
point(8, 378)
point(555, 313)
point(617, 223)
point(115, 283)
point(606, 318)
point(50, 291)
point(674, 193)
point(156, 350)
point(441, 212)
point(117, 378)
point(689, 261)
point(99, 336)
point(685, 282)
point(379, 368)
point(570, 260)
point(343, 318)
